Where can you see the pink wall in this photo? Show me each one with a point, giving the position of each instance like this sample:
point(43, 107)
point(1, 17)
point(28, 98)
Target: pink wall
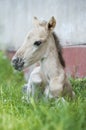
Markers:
point(75, 58)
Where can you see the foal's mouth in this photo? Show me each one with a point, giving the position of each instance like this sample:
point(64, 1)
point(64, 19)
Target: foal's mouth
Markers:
point(18, 63)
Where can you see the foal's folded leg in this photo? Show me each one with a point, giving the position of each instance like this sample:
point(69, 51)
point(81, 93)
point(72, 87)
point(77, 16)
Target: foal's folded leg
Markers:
point(35, 84)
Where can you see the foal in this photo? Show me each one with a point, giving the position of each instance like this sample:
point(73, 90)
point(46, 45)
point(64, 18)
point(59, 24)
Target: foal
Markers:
point(42, 44)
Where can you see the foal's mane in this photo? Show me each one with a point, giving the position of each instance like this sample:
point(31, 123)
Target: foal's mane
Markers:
point(59, 49)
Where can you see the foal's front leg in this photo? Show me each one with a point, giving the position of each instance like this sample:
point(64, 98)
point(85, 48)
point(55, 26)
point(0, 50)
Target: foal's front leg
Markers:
point(35, 84)
point(59, 86)
point(54, 89)
point(56, 85)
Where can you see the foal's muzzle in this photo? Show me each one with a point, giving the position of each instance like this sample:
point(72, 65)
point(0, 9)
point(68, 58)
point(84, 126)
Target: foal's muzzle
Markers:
point(18, 63)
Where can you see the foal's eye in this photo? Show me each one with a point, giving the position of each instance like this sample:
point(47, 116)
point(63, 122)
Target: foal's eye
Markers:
point(37, 43)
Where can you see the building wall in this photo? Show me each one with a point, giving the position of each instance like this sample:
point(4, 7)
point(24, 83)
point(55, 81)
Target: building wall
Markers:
point(16, 20)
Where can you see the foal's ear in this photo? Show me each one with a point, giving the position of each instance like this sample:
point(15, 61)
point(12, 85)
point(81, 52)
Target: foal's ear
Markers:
point(51, 24)
point(35, 21)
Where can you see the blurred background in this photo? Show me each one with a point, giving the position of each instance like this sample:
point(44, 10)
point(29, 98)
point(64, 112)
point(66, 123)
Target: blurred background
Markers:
point(16, 18)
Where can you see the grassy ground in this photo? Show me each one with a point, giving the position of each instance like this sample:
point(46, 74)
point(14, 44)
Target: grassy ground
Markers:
point(44, 115)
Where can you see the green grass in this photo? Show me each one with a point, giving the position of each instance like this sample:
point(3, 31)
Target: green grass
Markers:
point(43, 115)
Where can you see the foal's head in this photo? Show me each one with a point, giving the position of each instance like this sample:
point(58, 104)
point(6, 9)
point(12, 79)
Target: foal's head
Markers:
point(35, 44)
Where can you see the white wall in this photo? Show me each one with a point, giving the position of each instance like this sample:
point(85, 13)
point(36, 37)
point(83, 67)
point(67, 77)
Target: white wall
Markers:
point(16, 19)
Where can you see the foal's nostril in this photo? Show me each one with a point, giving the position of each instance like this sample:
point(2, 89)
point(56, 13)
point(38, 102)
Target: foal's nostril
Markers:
point(18, 63)
point(15, 60)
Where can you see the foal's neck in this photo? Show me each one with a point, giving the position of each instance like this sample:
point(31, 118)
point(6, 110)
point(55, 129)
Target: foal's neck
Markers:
point(51, 64)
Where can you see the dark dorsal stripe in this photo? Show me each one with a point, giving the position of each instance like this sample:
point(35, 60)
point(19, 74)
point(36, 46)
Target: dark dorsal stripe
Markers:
point(59, 49)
